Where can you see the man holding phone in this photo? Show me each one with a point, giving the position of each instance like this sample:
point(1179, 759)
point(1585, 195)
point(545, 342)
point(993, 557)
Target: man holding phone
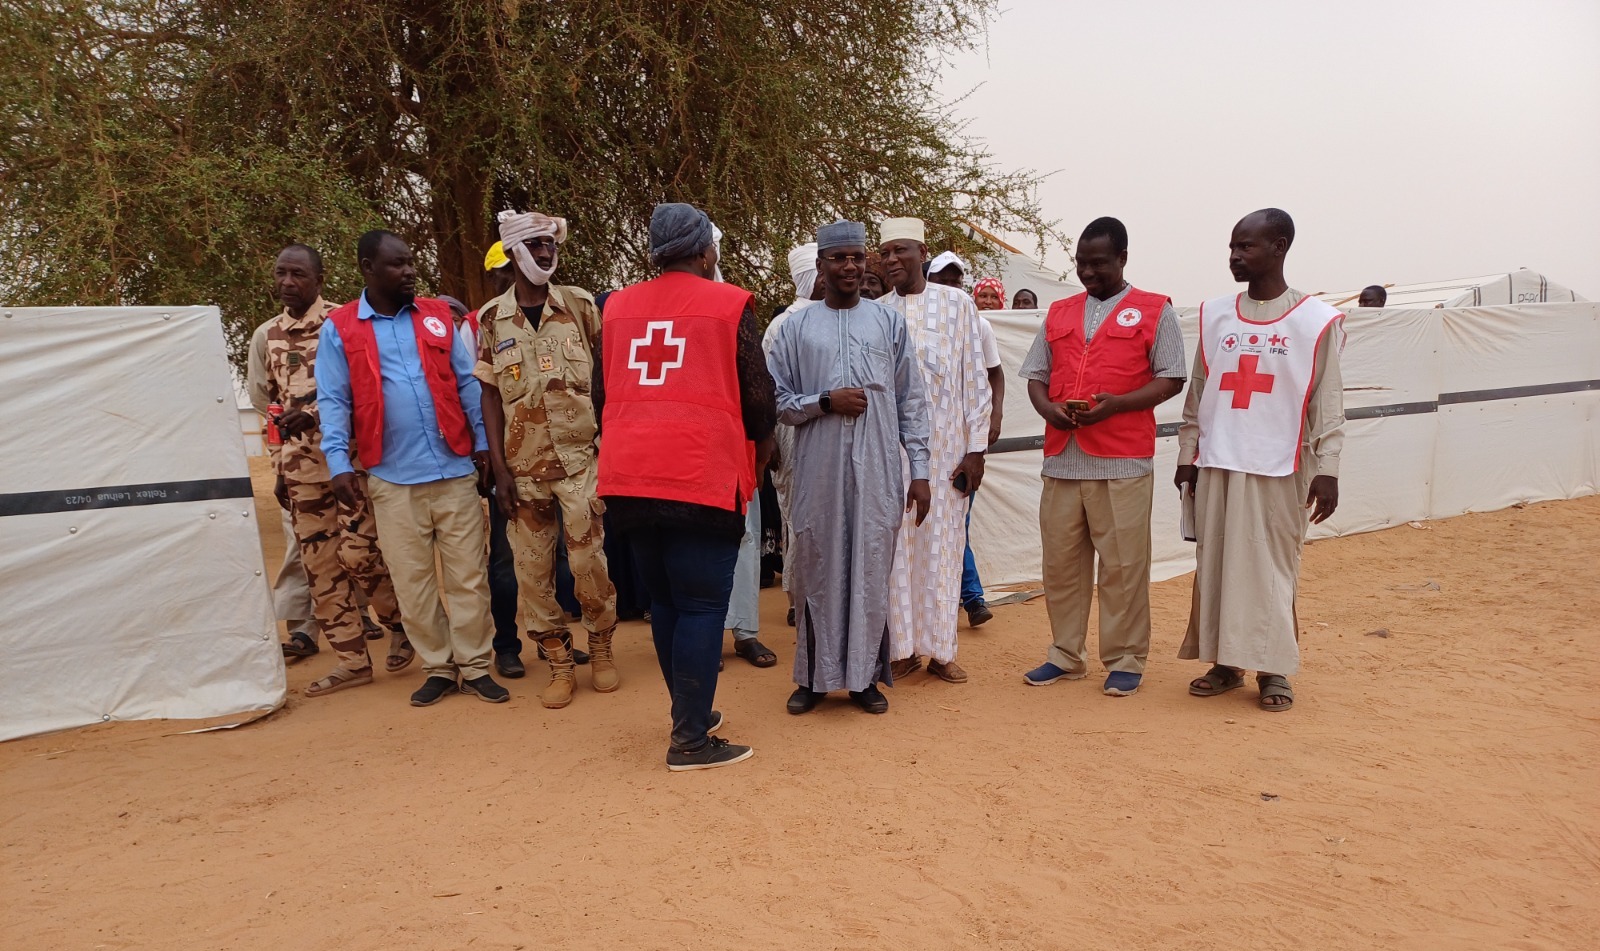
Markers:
point(1101, 364)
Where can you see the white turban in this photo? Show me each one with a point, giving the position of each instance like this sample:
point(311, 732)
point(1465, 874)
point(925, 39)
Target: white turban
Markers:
point(894, 229)
point(803, 270)
point(716, 239)
point(517, 227)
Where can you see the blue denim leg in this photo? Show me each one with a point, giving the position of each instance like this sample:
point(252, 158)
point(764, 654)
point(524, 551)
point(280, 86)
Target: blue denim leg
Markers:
point(971, 584)
point(502, 585)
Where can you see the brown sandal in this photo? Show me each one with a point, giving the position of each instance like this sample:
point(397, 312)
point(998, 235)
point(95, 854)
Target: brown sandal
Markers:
point(1217, 680)
point(950, 673)
point(338, 679)
point(401, 654)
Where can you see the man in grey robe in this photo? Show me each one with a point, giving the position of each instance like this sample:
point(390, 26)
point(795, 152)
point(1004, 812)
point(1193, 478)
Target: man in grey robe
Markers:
point(848, 382)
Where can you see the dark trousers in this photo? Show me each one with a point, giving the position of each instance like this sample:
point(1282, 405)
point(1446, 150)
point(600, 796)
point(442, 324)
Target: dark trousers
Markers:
point(689, 577)
point(503, 583)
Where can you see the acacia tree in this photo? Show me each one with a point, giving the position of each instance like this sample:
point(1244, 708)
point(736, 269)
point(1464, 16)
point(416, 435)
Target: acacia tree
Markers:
point(163, 150)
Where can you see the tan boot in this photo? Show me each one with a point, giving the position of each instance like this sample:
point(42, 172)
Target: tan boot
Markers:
point(558, 650)
point(602, 668)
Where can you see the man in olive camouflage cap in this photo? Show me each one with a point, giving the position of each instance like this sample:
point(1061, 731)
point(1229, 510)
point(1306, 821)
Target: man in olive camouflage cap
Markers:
point(539, 361)
point(338, 543)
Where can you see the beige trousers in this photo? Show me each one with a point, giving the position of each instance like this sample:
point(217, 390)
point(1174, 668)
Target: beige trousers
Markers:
point(1082, 518)
point(433, 532)
point(291, 592)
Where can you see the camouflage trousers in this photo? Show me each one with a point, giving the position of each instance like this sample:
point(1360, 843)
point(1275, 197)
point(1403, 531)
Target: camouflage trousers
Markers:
point(533, 548)
point(339, 547)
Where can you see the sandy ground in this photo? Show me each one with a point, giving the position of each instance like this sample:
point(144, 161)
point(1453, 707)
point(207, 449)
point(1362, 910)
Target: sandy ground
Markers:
point(1434, 789)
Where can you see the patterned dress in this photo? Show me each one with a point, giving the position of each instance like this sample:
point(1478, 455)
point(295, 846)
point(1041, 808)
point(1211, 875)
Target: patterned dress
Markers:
point(926, 580)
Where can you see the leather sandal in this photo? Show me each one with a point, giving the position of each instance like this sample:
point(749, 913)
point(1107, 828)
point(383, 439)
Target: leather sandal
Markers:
point(401, 654)
point(339, 679)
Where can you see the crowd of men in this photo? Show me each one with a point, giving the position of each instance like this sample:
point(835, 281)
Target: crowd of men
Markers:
point(623, 442)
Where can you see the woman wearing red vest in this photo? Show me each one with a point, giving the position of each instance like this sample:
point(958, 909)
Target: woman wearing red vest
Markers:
point(1102, 362)
point(687, 423)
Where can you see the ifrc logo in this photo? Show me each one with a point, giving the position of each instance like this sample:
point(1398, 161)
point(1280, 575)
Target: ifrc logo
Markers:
point(1230, 343)
point(653, 356)
point(1129, 317)
point(435, 325)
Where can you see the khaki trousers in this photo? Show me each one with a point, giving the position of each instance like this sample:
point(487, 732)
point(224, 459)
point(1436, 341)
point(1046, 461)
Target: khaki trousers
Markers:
point(433, 532)
point(339, 553)
point(291, 592)
point(1078, 519)
point(533, 547)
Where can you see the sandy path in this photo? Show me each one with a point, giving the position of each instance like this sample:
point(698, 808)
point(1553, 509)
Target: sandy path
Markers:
point(1436, 789)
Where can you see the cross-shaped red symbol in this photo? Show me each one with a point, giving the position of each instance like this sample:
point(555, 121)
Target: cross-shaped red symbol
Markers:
point(653, 358)
point(1247, 382)
point(1274, 340)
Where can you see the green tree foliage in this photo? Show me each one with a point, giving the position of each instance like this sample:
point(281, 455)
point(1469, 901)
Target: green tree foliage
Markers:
point(163, 150)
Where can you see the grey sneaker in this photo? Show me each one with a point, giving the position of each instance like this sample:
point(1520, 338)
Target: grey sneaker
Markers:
point(716, 752)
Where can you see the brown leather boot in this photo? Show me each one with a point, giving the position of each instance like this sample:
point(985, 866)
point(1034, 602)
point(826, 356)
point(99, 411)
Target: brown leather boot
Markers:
point(558, 650)
point(602, 668)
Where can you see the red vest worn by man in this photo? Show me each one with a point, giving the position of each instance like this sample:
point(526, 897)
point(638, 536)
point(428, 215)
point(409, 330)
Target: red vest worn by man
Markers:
point(434, 326)
point(672, 427)
point(1116, 361)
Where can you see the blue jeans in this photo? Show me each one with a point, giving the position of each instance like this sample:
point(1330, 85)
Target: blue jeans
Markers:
point(971, 584)
point(689, 577)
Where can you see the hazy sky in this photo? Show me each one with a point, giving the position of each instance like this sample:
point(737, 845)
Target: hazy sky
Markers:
point(1411, 140)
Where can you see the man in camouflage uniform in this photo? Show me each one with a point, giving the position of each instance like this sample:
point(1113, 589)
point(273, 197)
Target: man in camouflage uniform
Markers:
point(338, 544)
point(539, 360)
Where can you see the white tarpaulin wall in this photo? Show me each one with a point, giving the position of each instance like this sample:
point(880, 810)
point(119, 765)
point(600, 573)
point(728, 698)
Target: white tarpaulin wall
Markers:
point(1450, 411)
point(131, 575)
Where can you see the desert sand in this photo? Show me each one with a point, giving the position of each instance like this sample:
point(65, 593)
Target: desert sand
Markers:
point(1436, 788)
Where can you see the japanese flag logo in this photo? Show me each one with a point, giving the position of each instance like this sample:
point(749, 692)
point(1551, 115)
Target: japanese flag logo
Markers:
point(435, 326)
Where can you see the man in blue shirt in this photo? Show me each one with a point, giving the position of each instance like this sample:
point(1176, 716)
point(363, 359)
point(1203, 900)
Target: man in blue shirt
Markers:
point(393, 375)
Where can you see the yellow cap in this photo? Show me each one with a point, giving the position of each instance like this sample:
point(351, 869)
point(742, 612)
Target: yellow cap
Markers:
point(496, 257)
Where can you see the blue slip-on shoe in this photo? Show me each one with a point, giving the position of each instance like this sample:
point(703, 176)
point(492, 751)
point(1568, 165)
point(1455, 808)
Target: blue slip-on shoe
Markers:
point(1048, 673)
point(1121, 683)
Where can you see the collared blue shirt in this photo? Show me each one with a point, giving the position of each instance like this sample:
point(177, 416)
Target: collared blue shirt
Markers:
point(413, 449)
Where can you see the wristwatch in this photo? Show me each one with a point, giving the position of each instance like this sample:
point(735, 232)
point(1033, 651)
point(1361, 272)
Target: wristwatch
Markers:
point(826, 402)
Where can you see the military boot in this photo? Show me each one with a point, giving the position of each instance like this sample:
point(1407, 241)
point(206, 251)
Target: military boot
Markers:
point(602, 668)
point(558, 650)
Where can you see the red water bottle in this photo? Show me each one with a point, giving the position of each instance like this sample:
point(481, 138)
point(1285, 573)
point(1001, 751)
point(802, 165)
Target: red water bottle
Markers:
point(274, 437)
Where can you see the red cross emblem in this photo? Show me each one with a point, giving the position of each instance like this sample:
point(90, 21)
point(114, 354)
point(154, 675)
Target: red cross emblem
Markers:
point(1246, 382)
point(1275, 340)
point(653, 357)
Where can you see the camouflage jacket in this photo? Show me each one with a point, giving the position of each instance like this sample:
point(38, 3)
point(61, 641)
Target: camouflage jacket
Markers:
point(291, 380)
point(546, 378)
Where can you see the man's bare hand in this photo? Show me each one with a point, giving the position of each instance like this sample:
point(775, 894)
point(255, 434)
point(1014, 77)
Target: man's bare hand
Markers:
point(1323, 498)
point(294, 422)
point(1105, 406)
point(919, 496)
point(972, 465)
point(995, 419)
point(505, 492)
point(347, 489)
point(1186, 476)
point(848, 401)
point(1056, 415)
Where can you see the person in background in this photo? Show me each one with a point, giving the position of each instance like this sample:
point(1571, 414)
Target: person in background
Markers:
point(1099, 366)
point(1263, 425)
point(989, 294)
point(394, 376)
point(947, 335)
point(684, 369)
point(1024, 300)
point(949, 270)
point(538, 360)
point(1373, 295)
point(852, 418)
point(978, 612)
point(873, 286)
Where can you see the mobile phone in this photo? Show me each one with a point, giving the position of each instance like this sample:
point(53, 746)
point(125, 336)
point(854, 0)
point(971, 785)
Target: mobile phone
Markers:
point(1079, 405)
point(960, 482)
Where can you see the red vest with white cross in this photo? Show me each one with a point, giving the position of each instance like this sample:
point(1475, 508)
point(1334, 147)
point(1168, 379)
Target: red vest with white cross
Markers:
point(433, 323)
point(1258, 382)
point(1116, 361)
point(673, 426)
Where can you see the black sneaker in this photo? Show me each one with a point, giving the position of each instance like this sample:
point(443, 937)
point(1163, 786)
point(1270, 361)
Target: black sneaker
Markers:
point(716, 752)
point(716, 722)
point(580, 657)
point(978, 613)
point(804, 700)
point(486, 689)
point(510, 666)
point(871, 699)
point(432, 691)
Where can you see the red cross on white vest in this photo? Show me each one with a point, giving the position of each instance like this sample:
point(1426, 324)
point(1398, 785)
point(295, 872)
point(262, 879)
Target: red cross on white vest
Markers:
point(1246, 382)
point(653, 357)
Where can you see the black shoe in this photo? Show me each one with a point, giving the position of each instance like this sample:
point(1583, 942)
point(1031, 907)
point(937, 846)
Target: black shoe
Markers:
point(486, 689)
point(791, 617)
point(768, 579)
point(432, 691)
point(871, 699)
point(978, 613)
point(715, 753)
point(510, 665)
point(580, 657)
point(804, 700)
point(716, 722)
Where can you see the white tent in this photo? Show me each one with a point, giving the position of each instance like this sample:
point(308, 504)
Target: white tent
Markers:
point(1018, 271)
point(1450, 411)
point(1516, 287)
point(130, 563)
